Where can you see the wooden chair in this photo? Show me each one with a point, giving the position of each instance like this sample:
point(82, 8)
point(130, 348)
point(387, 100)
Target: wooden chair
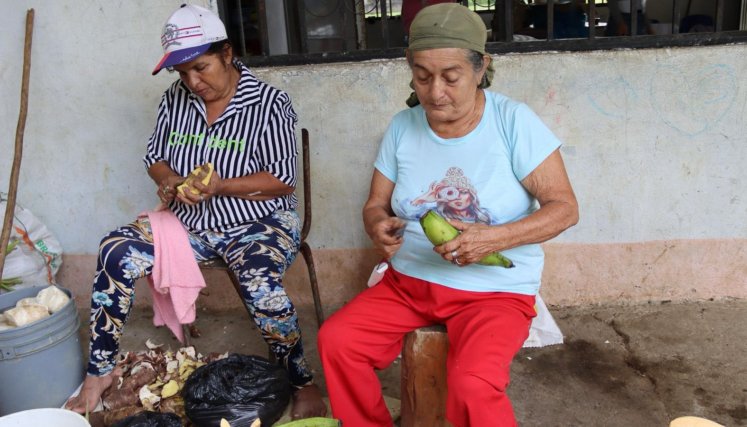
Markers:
point(218, 264)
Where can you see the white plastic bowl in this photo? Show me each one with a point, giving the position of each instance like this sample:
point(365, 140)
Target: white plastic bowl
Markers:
point(52, 417)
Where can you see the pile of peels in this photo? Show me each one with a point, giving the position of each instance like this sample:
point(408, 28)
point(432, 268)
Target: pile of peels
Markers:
point(151, 381)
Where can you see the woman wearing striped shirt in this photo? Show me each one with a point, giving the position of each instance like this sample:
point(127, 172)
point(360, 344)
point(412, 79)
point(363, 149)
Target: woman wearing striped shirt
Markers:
point(216, 112)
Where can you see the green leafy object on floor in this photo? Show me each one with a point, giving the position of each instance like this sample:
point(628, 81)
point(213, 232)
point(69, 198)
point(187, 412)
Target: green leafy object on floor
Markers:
point(312, 422)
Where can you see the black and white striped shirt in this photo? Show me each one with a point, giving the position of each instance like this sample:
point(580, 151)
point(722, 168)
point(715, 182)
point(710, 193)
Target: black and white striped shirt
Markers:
point(256, 133)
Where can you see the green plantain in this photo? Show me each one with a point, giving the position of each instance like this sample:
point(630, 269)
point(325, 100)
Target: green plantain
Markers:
point(439, 231)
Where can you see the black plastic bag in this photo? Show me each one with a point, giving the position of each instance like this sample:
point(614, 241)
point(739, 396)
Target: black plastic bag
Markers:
point(150, 419)
point(239, 388)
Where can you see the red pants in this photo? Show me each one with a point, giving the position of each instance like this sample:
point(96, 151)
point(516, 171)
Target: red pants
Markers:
point(485, 331)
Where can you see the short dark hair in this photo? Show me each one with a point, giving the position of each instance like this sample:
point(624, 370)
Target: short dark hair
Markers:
point(217, 47)
point(477, 59)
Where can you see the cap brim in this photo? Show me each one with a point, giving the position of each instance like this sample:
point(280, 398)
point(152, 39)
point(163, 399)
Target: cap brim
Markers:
point(180, 56)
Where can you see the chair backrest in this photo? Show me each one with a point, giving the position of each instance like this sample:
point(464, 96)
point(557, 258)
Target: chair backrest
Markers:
point(306, 184)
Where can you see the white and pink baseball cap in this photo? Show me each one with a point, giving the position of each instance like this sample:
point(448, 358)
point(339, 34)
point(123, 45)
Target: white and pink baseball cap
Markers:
point(187, 34)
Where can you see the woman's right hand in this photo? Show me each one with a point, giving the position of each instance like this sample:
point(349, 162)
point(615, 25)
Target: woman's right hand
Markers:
point(386, 236)
point(382, 226)
point(167, 188)
point(166, 179)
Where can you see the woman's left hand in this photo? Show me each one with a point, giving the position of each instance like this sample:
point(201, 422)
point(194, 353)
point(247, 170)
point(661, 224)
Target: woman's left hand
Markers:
point(475, 242)
point(205, 192)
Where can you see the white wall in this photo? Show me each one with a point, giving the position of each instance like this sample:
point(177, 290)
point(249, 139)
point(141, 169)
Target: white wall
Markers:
point(92, 106)
point(655, 141)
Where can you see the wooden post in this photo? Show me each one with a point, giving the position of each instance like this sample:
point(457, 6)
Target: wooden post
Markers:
point(10, 207)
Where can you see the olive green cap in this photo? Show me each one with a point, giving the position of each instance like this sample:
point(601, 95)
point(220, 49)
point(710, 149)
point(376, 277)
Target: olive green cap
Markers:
point(446, 25)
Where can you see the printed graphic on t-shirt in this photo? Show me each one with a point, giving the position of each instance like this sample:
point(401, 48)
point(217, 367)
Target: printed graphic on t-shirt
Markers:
point(177, 138)
point(454, 197)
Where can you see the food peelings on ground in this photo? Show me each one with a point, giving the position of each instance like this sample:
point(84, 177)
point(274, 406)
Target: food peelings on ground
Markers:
point(151, 380)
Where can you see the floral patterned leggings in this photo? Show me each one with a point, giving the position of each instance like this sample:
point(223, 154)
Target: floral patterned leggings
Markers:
point(258, 253)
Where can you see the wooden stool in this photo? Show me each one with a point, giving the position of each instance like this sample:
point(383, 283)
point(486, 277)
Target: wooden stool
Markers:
point(190, 331)
point(423, 378)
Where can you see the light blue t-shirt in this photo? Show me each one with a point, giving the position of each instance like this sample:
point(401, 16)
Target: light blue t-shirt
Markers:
point(475, 178)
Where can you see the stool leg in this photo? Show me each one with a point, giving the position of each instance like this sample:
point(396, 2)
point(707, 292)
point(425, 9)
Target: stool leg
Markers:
point(306, 251)
point(187, 335)
point(423, 378)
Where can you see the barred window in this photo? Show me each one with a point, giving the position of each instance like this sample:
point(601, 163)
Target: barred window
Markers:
point(287, 32)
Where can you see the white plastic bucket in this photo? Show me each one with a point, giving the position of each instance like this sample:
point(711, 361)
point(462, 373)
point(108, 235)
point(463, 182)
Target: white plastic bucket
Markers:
point(44, 417)
point(41, 363)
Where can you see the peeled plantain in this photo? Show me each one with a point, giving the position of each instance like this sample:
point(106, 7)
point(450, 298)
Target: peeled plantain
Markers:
point(439, 231)
point(205, 170)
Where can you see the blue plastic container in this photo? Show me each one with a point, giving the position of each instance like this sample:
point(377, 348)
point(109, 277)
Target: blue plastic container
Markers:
point(41, 364)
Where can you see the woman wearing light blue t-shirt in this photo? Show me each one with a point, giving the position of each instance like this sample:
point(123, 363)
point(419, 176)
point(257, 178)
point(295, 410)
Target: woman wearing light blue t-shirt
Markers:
point(489, 165)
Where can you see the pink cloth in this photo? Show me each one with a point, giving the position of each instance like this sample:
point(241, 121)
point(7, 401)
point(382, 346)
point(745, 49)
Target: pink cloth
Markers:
point(176, 279)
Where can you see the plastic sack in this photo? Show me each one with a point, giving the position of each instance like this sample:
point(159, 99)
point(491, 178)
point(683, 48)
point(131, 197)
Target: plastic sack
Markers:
point(37, 254)
point(543, 330)
point(150, 419)
point(239, 388)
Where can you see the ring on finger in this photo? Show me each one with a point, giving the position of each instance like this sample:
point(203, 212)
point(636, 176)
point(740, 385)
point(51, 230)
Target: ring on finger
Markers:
point(454, 254)
point(456, 261)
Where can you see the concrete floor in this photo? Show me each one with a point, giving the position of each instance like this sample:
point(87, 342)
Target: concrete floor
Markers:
point(640, 365)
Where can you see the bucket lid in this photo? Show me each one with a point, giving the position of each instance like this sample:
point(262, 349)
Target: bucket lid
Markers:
point(44, 417)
